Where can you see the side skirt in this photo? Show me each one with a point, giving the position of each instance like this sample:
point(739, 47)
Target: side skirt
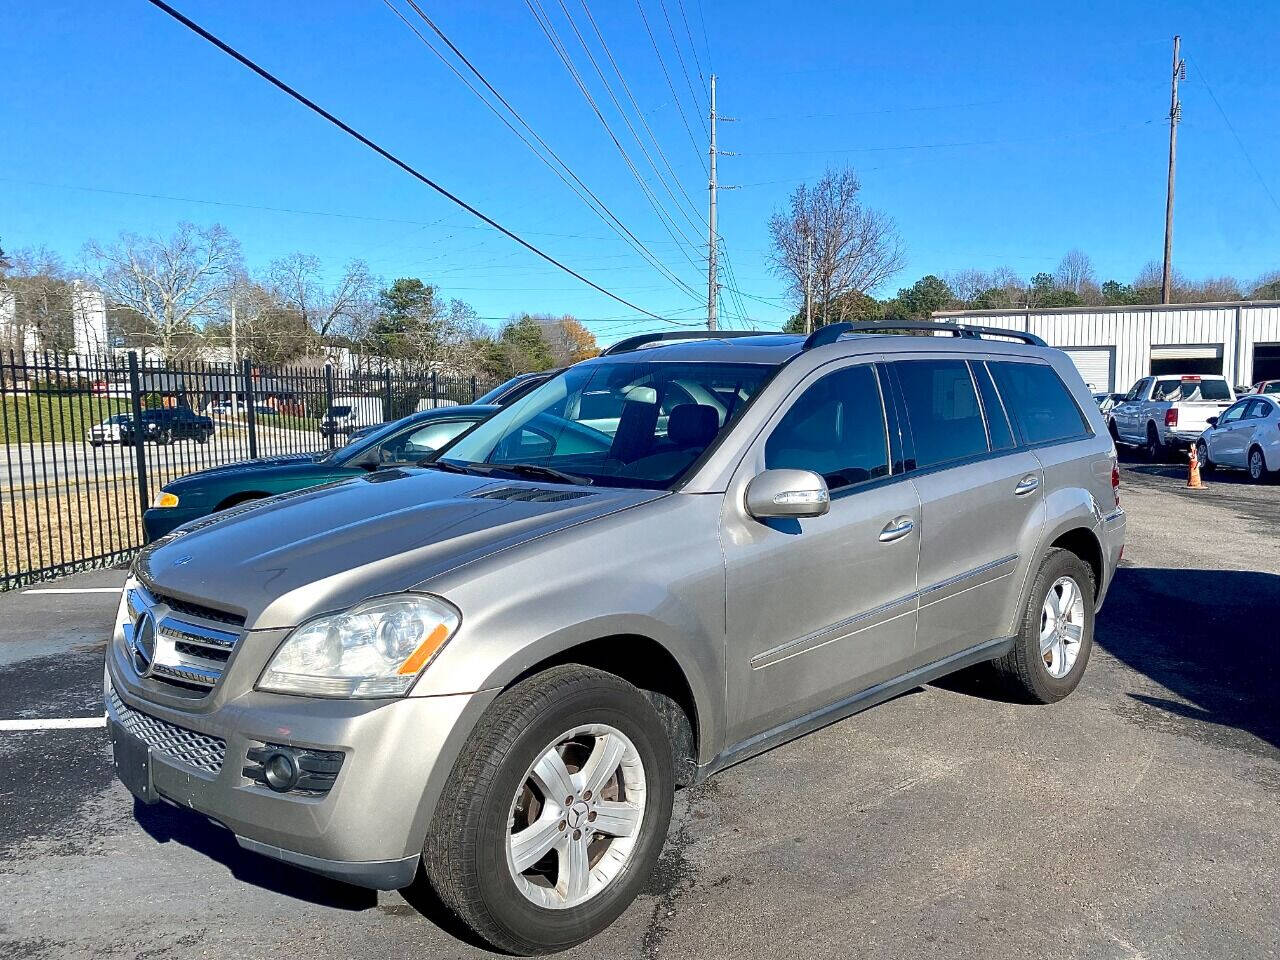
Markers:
point(855, 703)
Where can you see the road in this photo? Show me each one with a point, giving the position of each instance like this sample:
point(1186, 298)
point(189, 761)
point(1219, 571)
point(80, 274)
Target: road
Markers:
point(1138, 818)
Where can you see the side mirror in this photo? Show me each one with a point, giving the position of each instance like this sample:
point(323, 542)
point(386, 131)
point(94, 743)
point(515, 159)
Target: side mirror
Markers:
point(1212, 421)
point(787, 493)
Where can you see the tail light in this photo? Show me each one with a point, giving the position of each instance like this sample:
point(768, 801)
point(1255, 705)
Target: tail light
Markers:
point(1171, 417)
point(1115, 482)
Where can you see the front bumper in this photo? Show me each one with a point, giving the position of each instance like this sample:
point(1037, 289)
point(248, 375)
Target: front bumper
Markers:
point(367, 830)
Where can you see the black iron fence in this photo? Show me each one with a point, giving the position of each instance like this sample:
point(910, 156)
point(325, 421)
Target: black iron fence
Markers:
point(87, 442)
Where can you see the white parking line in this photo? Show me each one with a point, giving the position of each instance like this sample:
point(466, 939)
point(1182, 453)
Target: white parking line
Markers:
point(76, 590)
point(68, 723)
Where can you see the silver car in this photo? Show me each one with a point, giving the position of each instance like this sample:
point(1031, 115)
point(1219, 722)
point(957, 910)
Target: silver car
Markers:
point(499, 666)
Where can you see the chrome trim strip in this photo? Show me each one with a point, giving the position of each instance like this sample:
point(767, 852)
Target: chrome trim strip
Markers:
point(792, 648)
point(186, 673)
point(840, 630)
point(193, 633)
point(975, 572)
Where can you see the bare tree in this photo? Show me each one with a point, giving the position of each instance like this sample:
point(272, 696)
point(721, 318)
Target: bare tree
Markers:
point(36, 302)
point(174, 284)
point(967, 284)
point(1075, 272)
point(345, 309)
point(828, 238)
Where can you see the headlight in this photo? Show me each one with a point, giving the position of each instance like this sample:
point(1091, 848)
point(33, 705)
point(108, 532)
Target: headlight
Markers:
point(376, 649)
point(164, 499)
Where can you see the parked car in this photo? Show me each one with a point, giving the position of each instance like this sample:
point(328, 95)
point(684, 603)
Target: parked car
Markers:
point(404, 441)
point(346, 414)
point(1106, 403)
point(168, 424)
point(1246, 436)
point(515, 388)
point(499, 667)
point(1266, 386)
point(1164, 413)
point(109, 430)
point(501, 395)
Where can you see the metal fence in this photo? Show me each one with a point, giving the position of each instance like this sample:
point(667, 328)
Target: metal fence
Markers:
point(76, 474)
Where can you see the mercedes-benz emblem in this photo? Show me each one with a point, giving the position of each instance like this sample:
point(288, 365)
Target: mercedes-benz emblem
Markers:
point(144, 644)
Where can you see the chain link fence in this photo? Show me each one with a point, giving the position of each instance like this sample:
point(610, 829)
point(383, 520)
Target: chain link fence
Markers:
point(86, 442)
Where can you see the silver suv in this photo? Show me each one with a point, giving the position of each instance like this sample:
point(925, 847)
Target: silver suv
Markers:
point(491, 672)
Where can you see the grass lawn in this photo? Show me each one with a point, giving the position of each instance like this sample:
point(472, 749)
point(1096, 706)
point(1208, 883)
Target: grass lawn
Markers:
point(53, 418)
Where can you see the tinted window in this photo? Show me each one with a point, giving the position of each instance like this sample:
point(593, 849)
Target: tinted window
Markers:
point(1038, 401)
point(997, 423)
point(1191, 389)
point(1259, 408)
point(835, 428)
point(415, 444)
point(1272, 387)
point(942, 409)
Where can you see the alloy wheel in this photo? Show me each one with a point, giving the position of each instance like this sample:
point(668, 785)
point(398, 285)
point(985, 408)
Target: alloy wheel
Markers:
point(1257, 467)
point(576, 817)
point(1062, 621)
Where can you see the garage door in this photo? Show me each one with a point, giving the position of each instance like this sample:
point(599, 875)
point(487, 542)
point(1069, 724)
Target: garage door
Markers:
point(1095, 365)
point(1187, 358)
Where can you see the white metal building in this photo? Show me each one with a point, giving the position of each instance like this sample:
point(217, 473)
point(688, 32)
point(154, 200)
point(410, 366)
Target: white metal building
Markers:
point(1115, 346)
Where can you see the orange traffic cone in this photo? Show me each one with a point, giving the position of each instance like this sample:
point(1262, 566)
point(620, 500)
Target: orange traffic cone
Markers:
point(1193, 473)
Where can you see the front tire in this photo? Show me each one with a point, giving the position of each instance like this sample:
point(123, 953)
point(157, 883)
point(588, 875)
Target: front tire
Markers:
point(555, 813)
point(1055, 636)
point(1202, 455)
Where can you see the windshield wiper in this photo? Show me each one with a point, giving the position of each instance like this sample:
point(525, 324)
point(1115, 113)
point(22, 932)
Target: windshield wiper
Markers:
point(539, 471)
point(444, 465)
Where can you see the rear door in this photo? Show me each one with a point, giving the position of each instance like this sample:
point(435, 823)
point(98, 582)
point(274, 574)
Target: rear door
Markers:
point(980, 503)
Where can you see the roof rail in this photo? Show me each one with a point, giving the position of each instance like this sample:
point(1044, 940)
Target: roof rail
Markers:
point(638, 341)
point(833, 332)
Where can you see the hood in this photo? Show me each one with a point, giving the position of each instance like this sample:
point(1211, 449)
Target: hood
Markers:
point(284, 560)
point(288, 463)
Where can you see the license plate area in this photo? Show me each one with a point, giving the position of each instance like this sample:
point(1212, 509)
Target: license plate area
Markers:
point(132, 761)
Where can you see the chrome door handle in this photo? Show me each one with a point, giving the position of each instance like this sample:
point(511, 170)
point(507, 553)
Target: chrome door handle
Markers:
point(1028, 484)
point(896, 529)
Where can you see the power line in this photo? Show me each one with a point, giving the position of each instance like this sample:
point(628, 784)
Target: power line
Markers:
point(693, 47)
point(1239, 143)
point(388, 155)
point(640, 113)
point(675, 97)
point(673, 230)
point(592, 200)
point(679, 55)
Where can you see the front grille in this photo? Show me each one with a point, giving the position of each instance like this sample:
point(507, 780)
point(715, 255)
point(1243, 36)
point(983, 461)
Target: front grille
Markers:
point(530, 494)
point(189, 647)
point(199, 750)
point(197, 610)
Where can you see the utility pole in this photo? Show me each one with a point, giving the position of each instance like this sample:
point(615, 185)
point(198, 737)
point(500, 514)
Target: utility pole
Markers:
point(1175, 115)
point(713, 286)
point(808, 283)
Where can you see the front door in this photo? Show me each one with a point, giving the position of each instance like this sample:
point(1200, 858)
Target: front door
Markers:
point(820, 608)
point(1226, 441)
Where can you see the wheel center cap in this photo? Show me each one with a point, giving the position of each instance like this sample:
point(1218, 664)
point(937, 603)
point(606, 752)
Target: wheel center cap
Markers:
point(576, 815)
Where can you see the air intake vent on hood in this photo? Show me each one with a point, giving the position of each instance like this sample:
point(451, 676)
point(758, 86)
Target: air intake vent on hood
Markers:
point(529, 494)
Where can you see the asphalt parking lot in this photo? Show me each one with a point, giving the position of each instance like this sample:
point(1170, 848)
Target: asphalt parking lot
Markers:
point(1138, 818)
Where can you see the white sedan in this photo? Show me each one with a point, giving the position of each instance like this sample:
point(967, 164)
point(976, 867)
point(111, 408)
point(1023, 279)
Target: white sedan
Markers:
point(1246, 435)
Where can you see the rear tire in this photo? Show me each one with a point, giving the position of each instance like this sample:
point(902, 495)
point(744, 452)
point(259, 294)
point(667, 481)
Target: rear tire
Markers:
point(1257, 465)
point(1154, 449)
point(494, 794)
point(1046, 663)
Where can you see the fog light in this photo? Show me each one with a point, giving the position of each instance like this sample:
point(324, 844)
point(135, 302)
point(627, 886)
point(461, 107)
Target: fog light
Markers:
point(280, 771)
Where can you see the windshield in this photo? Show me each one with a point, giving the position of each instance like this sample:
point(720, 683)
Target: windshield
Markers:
point(1191, 390)
point(1272, 387)
point(640, 424)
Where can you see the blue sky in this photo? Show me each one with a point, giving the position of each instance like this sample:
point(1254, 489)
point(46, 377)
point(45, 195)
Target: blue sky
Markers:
point(995, 134)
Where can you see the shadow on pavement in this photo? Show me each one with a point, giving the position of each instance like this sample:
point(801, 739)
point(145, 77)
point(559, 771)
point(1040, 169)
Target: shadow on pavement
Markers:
point(165, 824)
point(1207, 636)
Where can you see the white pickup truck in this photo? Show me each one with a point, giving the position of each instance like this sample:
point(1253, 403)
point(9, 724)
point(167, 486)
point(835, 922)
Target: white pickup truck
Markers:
point(1169, 411)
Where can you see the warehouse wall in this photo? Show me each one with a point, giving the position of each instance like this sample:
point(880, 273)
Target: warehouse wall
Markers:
point(1133, 331)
